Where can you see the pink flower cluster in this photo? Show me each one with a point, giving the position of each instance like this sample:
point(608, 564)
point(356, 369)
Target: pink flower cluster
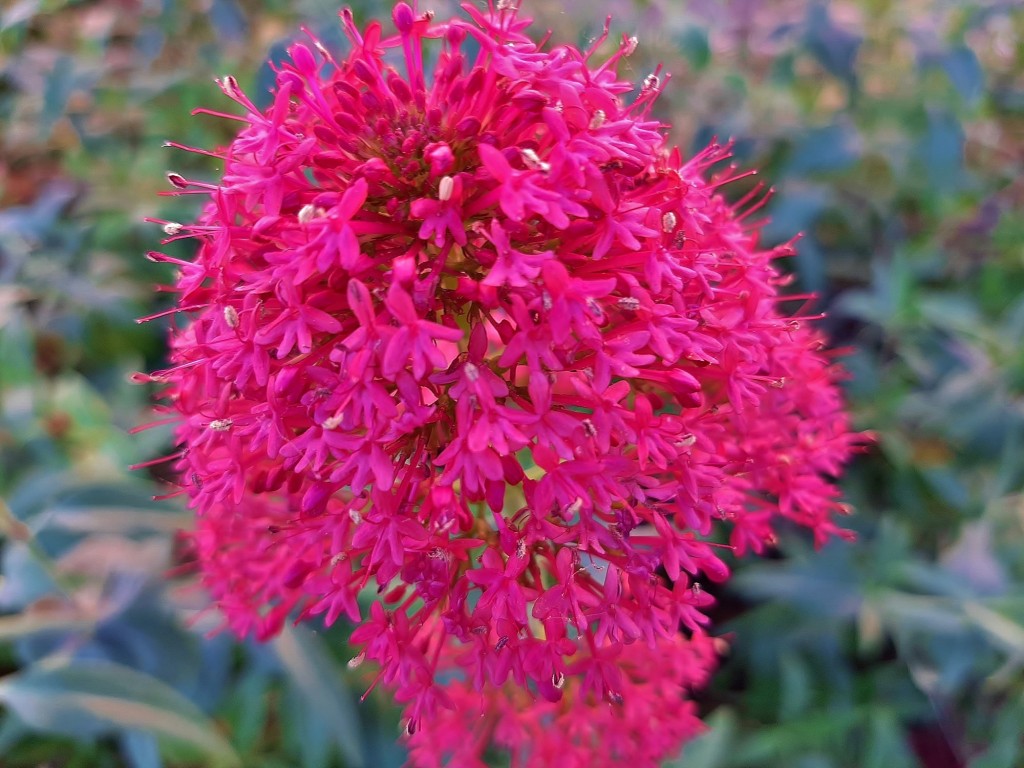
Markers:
point(479, 363)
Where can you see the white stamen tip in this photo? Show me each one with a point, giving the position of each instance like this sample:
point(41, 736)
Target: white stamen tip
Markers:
point(669, 222)
point(231, 316)
point(471, 371)
point(629, 303)
point(221, 425)
point(629, 47)
point(306, 213)
point(332, 422)
point(230, 86)
point(354, 516)
point(598, 119)
point(651, 82)
point(533, 161)
point(445, 189)
point(355, 661)
point(172, 228)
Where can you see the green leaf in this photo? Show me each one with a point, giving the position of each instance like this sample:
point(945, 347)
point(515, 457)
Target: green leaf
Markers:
point(941, 150)
point(247, 709)
point(18, 13)
point(965, 73)
point(84, 699)
point(834, 47)
point(141, 750)
point(886, 745)
point(816, 730)
point(826, 149)
point(322, 686)
point(711, 749)
point(16, 366)
point(33, 622)
point(1004, 747)
point(1004, 632)
point(795, 686)
point(125, 508)
point(57, 91)
point(933, 616)
point(693, 42)
point(23, 580)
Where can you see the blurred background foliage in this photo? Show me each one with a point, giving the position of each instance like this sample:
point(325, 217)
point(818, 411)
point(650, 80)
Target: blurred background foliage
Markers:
point(893, 132)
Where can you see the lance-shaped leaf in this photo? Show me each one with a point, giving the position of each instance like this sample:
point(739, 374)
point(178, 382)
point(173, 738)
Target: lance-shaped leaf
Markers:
point(84, 699)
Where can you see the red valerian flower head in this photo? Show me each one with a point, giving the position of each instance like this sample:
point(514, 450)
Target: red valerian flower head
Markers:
point(479, 363)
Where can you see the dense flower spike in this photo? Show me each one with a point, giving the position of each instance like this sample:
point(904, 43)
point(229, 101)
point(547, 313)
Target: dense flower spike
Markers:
point(477, 361)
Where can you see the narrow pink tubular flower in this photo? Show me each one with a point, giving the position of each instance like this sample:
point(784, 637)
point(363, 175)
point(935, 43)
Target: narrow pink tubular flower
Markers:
point(480, 363)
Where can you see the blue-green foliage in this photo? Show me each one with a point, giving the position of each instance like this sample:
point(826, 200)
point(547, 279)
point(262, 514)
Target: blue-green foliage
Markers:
point(892, 133)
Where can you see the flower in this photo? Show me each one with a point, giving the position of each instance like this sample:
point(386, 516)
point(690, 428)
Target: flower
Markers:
point(483, 350)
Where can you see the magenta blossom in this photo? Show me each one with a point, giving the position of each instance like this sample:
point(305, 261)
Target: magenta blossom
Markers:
point(480, 363)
